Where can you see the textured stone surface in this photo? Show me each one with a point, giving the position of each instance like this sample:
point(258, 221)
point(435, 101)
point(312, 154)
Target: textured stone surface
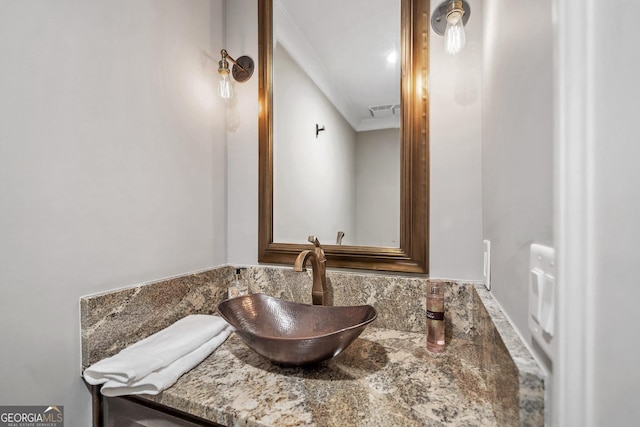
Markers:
point(514, 377)
point(112, 321)
point(386, 378)
point(485, 377)
point(399, 300)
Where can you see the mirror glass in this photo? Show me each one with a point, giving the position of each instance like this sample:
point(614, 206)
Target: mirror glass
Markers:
point(343, 132)
point(336, 130)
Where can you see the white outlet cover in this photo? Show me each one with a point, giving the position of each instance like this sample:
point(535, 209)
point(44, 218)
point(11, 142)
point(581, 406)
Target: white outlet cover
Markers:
point(486, 273)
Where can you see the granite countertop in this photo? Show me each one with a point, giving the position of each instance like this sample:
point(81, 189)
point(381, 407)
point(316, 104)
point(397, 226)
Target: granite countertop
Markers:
point(385, 377)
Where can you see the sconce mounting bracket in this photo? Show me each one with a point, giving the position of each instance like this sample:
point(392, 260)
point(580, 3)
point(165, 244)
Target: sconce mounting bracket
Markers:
point(245, 69)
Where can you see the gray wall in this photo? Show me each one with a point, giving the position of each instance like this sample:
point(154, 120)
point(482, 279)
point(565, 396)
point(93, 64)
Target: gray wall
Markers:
point(455, 186)
point(112, 171)
point(242, 139)
point(517, 145)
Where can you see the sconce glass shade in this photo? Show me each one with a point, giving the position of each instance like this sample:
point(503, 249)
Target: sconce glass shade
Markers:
point(226, 91)
point(454, 35)
point(241, 72)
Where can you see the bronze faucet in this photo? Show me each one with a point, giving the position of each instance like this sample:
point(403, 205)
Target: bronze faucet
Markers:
point(318, 266)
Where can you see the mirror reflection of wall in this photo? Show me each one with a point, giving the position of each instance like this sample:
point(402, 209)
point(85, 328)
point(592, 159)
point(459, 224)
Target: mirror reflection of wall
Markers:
point(378, 188)
point(347, 178)
point(314, 179)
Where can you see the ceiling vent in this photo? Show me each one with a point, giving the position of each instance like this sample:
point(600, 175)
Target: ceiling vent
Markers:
point(381, 111)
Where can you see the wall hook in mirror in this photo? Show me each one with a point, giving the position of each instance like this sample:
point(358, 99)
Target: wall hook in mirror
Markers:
point(319, 129)
point(242, 71)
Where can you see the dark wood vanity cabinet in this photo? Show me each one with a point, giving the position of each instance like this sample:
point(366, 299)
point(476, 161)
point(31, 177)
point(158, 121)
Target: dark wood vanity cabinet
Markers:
point(133, 411)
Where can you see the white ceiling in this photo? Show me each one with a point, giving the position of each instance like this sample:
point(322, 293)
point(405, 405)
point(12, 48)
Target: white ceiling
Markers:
point(343, 46)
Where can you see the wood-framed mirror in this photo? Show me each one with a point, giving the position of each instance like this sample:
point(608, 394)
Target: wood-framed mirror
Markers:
point(411, 254)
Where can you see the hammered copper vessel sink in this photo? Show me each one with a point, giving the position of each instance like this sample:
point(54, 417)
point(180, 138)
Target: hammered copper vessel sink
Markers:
point(291, 333)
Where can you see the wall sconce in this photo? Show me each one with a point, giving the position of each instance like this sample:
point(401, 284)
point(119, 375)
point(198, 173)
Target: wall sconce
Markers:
point(242, 71)
point(448, 20)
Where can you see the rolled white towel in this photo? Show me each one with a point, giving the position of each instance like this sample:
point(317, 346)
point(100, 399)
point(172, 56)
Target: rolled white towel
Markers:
point(179, 345)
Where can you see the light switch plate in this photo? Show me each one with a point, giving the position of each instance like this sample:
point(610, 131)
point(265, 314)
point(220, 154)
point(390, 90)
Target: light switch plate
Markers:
point(542, 274)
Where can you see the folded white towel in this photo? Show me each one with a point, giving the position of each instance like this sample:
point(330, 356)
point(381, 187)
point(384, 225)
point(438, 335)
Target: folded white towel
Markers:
point(165, 377)
point(156, 362)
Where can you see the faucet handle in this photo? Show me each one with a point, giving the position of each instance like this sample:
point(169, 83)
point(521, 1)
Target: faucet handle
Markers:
point(317, 250)
point(314, 240)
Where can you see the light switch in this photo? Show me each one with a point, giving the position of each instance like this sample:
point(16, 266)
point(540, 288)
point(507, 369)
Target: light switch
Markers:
point(536, 279)
point(542, 283)
point(546, 306)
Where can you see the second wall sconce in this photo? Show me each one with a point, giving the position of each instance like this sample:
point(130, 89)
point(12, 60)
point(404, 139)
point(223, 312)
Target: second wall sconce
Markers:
point(448, 20)
point(242, 71)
